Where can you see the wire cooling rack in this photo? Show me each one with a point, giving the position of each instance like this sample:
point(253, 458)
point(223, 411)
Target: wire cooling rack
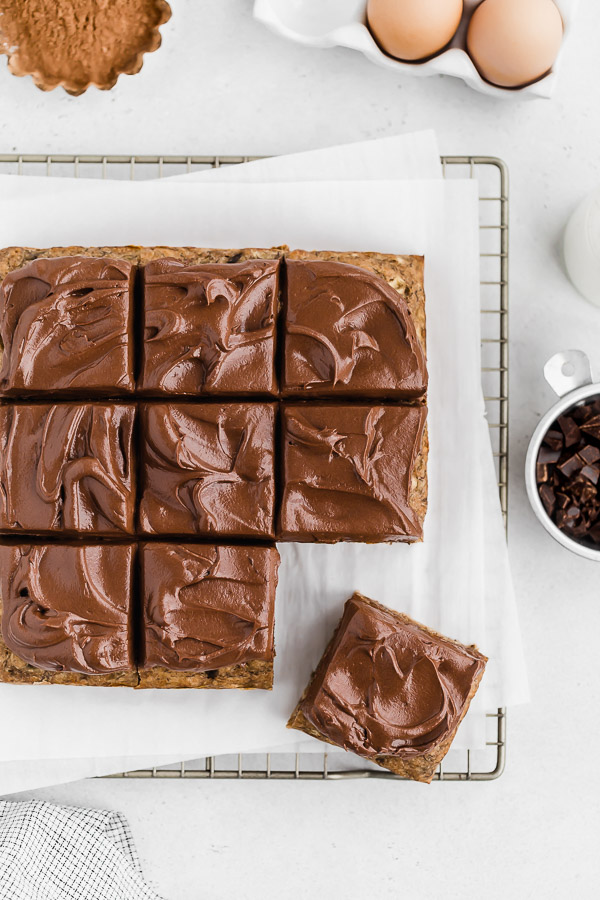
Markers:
point(492, 177)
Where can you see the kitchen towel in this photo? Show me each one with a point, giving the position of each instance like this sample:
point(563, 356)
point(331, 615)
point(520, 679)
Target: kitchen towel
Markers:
point(52, 852)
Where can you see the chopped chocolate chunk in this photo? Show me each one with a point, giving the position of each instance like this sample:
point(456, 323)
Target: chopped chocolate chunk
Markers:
point(547, 455)
point(554, 439)
point(548, 498)
point(579, 413)
point(592, 473)
point(570, 465)
point(589, 454)
point(568, 472)
point(582, 489)
point(570, 429)
point(594, 533)
point(564, 519)
point(592, 427)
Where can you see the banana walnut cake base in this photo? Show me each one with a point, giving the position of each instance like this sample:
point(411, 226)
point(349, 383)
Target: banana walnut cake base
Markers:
point(389, 690)
point(165, 415)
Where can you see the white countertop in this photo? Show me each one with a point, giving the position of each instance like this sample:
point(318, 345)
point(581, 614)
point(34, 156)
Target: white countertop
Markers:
point(222, 84)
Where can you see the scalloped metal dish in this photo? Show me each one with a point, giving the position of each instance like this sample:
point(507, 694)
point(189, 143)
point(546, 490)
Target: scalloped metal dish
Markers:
point(492, 177)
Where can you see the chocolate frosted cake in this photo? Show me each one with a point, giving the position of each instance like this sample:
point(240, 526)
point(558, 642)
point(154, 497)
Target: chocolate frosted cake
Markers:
point(66, 612)
point(208, 615)
point(390, 690)
point(70, 615)
point(348, 334)
point(208, 469)
point(67, 468)
point(66, 326)
point(354, 473)
point(145, 439)
point(210, 329)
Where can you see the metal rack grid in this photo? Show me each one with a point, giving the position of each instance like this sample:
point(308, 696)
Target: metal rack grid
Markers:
point(492, 177)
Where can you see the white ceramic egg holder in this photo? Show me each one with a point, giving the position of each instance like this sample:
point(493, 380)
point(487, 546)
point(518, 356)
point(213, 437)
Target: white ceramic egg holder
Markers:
point(342, 23)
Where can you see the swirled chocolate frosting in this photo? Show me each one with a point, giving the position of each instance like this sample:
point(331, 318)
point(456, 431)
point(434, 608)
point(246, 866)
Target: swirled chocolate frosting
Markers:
point(348, 472)
point(65, 608)
point(208, 469)
point(206, 606)
point(386, 686)
point(210, 329)
point(348, 332)
point(66, 467)
point(65, 325)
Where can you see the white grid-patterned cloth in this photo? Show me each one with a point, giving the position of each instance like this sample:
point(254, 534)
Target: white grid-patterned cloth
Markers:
point(60, 853)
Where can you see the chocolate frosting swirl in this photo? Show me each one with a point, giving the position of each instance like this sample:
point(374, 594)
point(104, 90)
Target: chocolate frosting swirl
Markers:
point(208, 468)
point(349, 332)
point(207, 606)
point(210, 328)
point(65, 324)
point(65, 607)
point(388, 687)
point(348, 472)
point(78, 474)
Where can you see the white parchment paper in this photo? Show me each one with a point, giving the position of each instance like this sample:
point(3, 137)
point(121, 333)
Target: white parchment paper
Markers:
point(441, 581)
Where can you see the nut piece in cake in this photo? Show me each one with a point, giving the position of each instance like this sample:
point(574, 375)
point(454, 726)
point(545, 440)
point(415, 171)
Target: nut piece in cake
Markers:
point(355, 473)
point(66, 607)
point(65, 325)
point(67, 467)
point(210, 329)
point(390, 690)
point(208, 609)
point(207, 469)
point(350, 333)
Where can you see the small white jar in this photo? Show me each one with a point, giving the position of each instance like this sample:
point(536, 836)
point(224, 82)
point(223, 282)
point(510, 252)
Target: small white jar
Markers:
point(582, 248)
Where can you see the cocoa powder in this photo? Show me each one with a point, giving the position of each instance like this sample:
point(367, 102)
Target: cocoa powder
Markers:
point(81, 42)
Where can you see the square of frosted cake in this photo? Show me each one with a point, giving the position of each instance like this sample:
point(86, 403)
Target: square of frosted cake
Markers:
point(208, 615)
point(349, 330)
point(67, 467)
point(354, 473)
point(390, 690)
point(66, 614)
point(208, 469)
point(66, 326)
point(210, 329)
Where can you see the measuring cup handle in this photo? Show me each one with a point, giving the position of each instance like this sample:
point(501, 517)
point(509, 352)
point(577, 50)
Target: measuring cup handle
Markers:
point(568, 370)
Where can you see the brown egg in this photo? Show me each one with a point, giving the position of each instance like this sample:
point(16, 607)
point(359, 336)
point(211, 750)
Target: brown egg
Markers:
point(413, 29)
point(514, 42)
